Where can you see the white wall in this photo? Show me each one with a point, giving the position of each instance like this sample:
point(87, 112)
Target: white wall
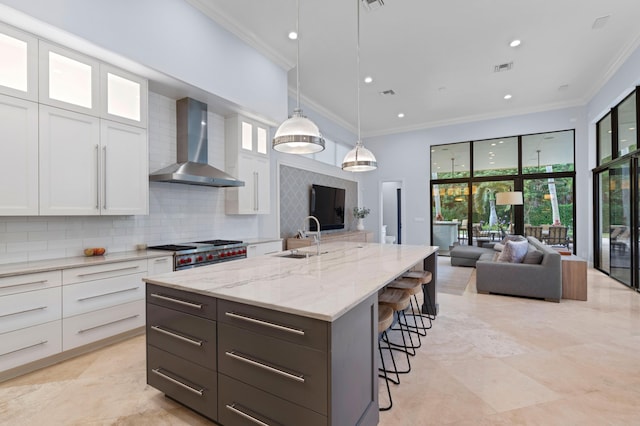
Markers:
point(177, 213)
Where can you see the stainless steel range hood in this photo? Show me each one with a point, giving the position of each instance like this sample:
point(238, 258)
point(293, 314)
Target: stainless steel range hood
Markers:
point(192, 167)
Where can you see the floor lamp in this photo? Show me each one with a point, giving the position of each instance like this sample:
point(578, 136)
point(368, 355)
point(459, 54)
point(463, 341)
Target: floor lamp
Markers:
point(511, 198)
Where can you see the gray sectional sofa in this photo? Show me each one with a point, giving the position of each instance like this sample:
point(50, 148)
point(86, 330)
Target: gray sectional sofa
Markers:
point(540, 280)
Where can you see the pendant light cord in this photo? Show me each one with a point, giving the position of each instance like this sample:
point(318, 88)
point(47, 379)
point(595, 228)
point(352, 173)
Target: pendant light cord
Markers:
point(359, 141)
point(298, 54)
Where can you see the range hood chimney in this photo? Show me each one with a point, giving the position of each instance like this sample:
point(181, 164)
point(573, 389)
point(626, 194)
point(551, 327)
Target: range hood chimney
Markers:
point(192, 167)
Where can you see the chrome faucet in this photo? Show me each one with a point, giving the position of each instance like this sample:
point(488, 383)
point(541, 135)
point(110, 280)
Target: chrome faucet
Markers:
point(316, 234)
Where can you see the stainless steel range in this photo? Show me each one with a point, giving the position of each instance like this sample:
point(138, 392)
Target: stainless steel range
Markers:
point(202, 253)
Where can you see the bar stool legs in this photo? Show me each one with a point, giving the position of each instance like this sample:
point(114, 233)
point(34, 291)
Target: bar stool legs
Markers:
point(385, 319)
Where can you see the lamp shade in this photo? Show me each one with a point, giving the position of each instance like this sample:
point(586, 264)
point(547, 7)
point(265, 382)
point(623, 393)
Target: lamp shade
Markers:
point(509, 198)
point(298, 135)
point(359, 159)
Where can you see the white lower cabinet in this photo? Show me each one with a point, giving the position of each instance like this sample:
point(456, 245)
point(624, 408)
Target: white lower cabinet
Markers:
point(97, 325)
point(29, 344)
point(159, 265)
point(260, 249)
point(23, 310)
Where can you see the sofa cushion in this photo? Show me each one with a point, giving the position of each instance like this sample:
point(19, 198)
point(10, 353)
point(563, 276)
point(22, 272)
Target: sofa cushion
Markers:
point(514, 251)
point(498, 246)
point(512, 237)
point(533, 257)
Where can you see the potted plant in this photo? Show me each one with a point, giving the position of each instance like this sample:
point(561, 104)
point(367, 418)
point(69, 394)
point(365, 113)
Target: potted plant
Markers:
point(360, 214)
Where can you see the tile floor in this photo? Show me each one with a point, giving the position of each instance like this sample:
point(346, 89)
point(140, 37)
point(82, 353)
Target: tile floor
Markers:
point(488, 360)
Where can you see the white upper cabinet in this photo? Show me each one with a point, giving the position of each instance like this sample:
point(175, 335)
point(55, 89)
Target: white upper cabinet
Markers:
point(18, 156)
point(247, 158)
point(124, 96)
point(68, 79)
point(19, 58)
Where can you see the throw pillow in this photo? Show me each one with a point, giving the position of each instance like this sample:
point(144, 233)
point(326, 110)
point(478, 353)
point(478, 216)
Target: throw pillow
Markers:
point(498, 246)
point(512, 237)
point(533, 257)
point(514, 251)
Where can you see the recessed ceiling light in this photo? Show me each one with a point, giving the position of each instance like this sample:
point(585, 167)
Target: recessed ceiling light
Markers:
point(609, 131)
point(401, 115)
point(493, 144)
point(368, 79)
point(501, 142)
point(515, 43)
point(433, 150)
point(632, 128)
point(293, 35)
point(507, 96)
point(492, 162)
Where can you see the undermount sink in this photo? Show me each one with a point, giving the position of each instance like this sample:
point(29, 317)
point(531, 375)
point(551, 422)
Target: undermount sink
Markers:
point(296, 255)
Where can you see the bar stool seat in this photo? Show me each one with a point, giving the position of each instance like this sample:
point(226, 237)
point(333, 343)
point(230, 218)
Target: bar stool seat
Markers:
point(399, 300)
point(412, 287)
point(424, 278)
point(396, 299)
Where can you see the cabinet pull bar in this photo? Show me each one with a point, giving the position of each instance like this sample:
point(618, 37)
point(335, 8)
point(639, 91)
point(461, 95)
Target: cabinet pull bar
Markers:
point(177, 336)
point(164, 259)
point(104, 181)
point(198, 392)
point(245, 358)
point(265, 323)
point(241, 413)
point(27, 283)
point(256, 198)
point(97, 177)
point(110, 270)
point(84, 330)
point(39, 308)
point(82, 299)
point(178, 301)
point(24, 348)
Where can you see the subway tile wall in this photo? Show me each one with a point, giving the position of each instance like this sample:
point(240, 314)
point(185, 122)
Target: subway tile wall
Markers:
point(177, 213)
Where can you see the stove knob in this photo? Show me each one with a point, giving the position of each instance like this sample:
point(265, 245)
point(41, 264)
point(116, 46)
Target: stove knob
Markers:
point(223, 254)
point(210, 257)
point(200, 258)
point(188, 260)
point(234, 253)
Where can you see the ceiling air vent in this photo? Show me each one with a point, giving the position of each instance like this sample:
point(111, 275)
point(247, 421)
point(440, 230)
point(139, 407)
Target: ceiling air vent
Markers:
point(503, 67)
point(387, 92)
point(372, 4)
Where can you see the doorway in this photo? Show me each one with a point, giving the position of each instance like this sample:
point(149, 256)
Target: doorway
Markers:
point(392, 213)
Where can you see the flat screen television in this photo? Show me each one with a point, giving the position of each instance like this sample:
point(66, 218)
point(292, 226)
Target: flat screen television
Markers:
point(327, 204)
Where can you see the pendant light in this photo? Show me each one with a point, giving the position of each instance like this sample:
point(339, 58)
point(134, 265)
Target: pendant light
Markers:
point(298, 134)
point(359, 159)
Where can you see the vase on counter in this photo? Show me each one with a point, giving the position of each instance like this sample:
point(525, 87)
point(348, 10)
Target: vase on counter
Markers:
point(360, 225)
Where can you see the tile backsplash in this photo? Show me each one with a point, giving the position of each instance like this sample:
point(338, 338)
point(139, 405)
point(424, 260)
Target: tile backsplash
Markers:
point(177, 213)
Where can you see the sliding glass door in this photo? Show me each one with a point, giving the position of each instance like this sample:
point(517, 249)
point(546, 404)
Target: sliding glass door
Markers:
point(620, 222)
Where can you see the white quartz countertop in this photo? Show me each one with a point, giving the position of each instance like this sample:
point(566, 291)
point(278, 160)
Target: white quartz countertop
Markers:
point(18, 268)
point(322, 287)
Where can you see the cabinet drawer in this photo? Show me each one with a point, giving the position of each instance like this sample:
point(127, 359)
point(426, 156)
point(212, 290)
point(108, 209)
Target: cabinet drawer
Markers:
point(293, 372)
point(292, 328)
point(30, 308)
point(237, 400)
point(184, 381)
point(29, 282)
point(93, 326)
point(30, 344)
point(185, 335)
point(191, 303)
point(103, 270)
point(159, 265)
point(92, 295)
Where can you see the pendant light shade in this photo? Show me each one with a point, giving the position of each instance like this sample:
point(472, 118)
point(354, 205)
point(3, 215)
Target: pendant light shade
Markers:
point(298, 134)
point(359, 159)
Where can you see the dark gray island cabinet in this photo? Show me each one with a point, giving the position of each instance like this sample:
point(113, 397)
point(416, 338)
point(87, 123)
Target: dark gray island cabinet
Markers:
point(239, 364)
point(274, 340)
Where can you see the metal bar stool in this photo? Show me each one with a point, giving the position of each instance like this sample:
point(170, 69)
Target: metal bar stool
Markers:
point(399, 300)
point(385, 319)
point(424, 278)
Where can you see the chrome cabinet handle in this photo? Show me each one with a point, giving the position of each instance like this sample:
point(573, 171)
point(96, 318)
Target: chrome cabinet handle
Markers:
point(104, 176)
point(82, 299)
point(249, 417)
point(162, 260)
point(255, 192)
point(39, 308)
point(84, 330)
point(24, 348)
point(178, 301)
point(198, 392)
point(97, 177)
point(246, 359)
point(265, 323)
point(110, 270)
point(194, 342)
point(27, 283)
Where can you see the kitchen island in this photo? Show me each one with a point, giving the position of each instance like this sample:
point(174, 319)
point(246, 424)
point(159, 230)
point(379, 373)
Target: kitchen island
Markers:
point(276, 338)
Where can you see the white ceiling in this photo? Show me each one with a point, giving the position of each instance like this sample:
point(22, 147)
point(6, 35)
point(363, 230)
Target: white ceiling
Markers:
point(438, 57)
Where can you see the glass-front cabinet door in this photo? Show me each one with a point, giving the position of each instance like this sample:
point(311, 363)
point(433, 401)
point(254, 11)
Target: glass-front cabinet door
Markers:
point(19, 69)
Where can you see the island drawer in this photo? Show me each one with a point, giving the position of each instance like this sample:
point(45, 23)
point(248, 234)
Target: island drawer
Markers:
point(191, 303)
point(290, 371)
point(184, 335)
point(240, 404)
point(184, 381)
point(292, 328)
